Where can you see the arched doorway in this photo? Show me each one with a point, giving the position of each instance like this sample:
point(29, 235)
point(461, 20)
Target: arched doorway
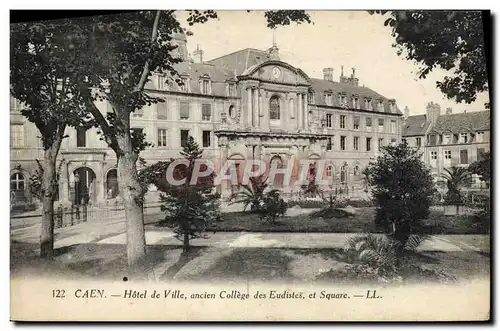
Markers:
point(112, 184)
point(277, 163)
point(84, 183)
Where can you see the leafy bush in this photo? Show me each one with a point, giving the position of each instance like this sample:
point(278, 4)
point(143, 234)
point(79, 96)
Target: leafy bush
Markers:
point(402, 187)
point(251, 195)
point(272, 206)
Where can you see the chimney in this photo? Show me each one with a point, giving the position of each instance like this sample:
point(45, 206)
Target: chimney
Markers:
point(433, 112)
point(449, 111)
point(328, 74)
point(406, 112)
point(198, 55)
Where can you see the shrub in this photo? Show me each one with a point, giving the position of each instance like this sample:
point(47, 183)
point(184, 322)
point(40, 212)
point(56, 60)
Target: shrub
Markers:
point(272, 206)
point(402, 187)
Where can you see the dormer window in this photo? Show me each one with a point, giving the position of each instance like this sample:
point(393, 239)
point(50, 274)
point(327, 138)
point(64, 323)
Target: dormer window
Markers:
point(343, 101)
point(162, 85)
point(185, 85)
point(368, 104)
point(311, 98)
point(392, 107)
point(464, 138)
point(231, 89)
point(355, 102)
point(329, 99)
point(380, 105)
point(205, 85)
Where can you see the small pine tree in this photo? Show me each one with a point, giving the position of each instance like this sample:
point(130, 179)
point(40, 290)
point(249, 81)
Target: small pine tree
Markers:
point(189, 208)
point(402, 186)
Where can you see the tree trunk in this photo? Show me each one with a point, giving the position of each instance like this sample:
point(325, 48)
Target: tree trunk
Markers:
point(48, 195)
point(185, 247)
point(131, 194)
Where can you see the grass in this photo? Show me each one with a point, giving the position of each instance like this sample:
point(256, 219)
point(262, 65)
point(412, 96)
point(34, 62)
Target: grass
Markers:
point(360, 222)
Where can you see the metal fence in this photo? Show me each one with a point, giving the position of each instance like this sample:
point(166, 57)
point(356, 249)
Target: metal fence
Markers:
point(77, 214)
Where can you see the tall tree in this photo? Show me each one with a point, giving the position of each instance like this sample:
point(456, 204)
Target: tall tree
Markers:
point(402, 187)
point(190, 207)
point(43, 58)
point(450, 40)
point(124, 51)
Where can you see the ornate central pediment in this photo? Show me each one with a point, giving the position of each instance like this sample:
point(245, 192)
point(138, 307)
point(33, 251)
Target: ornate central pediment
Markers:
point(277, 72)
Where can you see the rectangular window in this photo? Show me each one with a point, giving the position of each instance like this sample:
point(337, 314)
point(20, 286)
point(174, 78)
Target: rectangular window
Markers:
point(464, 157)
point(161, 82)
point(162, 137)
point(329, 144)
point(380, 144)
point(447, 155)
point(232, 90)
point(356, 143)
point(368, 144)
point(184, 110)
point(206, 111)
point(184, 137)
point(207, 135)
point(328, 99)
point(343, 101)
point(329, 120)
point(355, 102)
point(161, 109)
point(380, 106)
point(17, 135)
point(432, 140)
point(464, 138)
point(480, 137)
point(81, 137)
point(310, 98)
point(434, 155)
point(419, 142)
point(368, 123)
point(205, 86)
point(356, 122)
point(368, 104)
point(342, 121)
point(480, 154)
point(393, 126)
point(381, 125)
point(447, 139)
point(342, 142)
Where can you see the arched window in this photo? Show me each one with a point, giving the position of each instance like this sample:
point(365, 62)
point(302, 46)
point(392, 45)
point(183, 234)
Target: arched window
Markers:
point(329, 171)
point(112, 184)
point(274, 108)
point(343, 174)
point(17, 182)
point(232, 111)
point(356, 171)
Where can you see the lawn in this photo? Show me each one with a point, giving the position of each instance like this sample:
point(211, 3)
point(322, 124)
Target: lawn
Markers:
point(360, 222)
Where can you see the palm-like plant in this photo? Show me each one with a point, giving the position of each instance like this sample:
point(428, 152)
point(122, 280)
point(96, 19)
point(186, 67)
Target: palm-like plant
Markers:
point(252, 194)
point(455, 178)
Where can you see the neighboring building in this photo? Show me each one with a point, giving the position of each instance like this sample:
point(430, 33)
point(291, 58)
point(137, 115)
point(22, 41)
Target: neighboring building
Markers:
point(447, 140)
point(244, 105)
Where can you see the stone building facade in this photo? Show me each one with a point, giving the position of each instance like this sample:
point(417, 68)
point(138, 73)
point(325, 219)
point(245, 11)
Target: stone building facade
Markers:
point(245, 105)
point(449, 139)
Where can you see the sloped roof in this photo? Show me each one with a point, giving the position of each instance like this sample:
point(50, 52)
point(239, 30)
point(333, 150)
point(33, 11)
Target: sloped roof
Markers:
point(320, 86)
point(415, 126)
point(460, 122)
point(240, 60)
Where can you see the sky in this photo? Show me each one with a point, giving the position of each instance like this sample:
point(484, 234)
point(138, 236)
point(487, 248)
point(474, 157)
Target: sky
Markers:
point(349, 38)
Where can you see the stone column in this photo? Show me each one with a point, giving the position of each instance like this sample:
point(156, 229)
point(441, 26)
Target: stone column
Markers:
point(224, 186)
point(299, 111)
point(100, 183)
point(249, 106)
point(306, 113)
point(64, 185)
point(256, 110)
